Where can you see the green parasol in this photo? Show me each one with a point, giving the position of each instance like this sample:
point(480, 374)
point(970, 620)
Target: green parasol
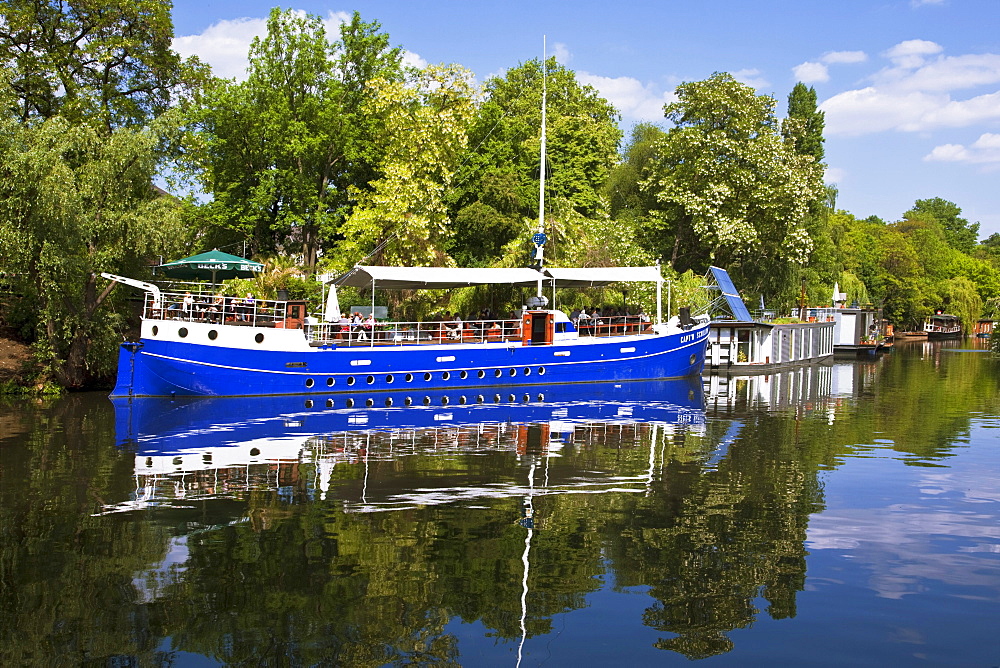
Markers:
point(211, 265)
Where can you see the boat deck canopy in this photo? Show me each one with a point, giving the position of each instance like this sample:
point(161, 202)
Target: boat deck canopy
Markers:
point(423, 278)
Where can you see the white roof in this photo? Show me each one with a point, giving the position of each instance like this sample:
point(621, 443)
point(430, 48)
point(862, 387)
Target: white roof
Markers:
point(413, 278)
point(580, 277)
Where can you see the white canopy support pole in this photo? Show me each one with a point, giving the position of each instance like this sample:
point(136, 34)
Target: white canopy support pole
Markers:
point(659, 295)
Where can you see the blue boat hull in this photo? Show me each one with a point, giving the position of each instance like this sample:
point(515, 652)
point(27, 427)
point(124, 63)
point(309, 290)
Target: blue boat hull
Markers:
point(169, 368)
point(158, 425)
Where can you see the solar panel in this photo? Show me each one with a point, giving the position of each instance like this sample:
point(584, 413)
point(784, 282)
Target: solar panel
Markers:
point(731, 294)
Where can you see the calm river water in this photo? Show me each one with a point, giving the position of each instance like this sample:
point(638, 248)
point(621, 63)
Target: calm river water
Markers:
point(839, 515)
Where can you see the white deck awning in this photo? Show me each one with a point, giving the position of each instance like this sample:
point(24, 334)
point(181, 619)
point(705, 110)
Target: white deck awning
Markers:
point(425, 278)
point(581, 277)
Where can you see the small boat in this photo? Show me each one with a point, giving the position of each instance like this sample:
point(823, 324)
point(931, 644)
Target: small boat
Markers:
point(269, 347)
point(943, 326)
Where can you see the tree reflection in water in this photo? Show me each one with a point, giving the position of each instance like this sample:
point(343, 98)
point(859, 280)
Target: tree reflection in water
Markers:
point(370, 546)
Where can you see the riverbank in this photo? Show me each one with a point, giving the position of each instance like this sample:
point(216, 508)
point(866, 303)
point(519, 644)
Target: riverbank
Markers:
point(13, 356)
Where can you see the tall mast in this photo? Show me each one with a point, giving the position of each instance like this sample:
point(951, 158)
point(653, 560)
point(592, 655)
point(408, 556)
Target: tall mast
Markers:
point(539, 255)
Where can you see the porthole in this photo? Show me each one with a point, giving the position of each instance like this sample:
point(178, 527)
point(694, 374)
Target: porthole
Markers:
point(482, 374)
point(350, 380)
point(389, 379)
point(309, 403)
point(462, 400)
point(370, 380)
point(480, 398)
point(526, 398)
point(409, 378)
point(182, 332)
point(527, 371)
point(427, 376)
point(541, 397)
point(259, 338)
point(408, 401)
point(541, 371)
point(330, 381)
point(388, 402)
point(513, 372)
point(498, 373)
point(427, 401)
point(329, 403)
point(445, 401)
point(349, 403)
point(511, 398)
point(254, 452)
point(463, 375)
point(692, 359)
point(496, 398)
point(156, 330)
point(445, 375)
point(310, 382)
point(212, 335)
point(369, 402)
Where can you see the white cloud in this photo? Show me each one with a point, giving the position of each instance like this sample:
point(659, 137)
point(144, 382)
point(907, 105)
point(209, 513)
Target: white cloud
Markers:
point(844, 57)
point(945, 73)
point(834, 175)
point(225, 45)
point(911, 52)
point(752, 78)
point(413, 60)
point(858, 112)
point(914, 93)
point(561, 53)
point(984, 150)
point(635, 100)
point(811, 72)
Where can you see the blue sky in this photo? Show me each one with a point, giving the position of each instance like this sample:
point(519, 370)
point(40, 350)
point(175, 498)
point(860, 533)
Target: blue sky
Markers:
point(911, 88)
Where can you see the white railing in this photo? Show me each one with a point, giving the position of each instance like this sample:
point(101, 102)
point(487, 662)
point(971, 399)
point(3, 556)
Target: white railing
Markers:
point(402, 333)
point(473, 331)
point(215, 308)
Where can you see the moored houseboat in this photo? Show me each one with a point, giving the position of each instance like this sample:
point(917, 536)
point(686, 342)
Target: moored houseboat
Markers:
point(857, 331)
point(943, 326)
point(741, 344)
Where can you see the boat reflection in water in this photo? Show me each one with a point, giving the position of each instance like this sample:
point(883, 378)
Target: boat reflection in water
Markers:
point(218, 447)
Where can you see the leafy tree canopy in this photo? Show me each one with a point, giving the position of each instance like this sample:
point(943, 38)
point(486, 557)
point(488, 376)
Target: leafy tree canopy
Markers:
point(280, 151)
point(498, 181)
point(97, 61)
point(729, 189)
point(958, 232)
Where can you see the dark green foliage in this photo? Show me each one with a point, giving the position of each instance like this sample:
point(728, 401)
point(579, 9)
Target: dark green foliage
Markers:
point(501, 170)
point(807, 137)
point(958, 232)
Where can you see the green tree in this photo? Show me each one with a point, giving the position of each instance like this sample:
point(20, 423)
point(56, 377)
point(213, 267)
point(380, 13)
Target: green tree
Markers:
point(496, 191)
point(627, 200)
point(729, 189)
point(404, 213)
point(97, 61)
point(807, 138)
point(958, 232)
point(75, 202)
point(280, 152)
